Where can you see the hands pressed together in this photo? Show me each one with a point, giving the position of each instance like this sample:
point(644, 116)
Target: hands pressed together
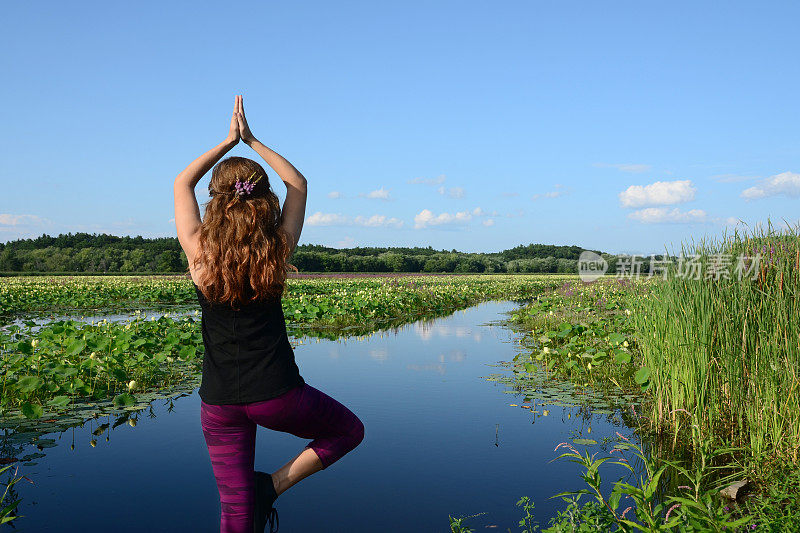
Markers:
point(239, 128)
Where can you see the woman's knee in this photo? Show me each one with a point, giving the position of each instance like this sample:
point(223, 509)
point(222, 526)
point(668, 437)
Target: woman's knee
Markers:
point(356, 433)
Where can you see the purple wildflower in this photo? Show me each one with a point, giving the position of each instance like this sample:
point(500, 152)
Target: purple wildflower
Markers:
point(244, 188)
point(668, 512)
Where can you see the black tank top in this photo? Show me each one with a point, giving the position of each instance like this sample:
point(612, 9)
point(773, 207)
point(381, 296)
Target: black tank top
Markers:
point(247, 356)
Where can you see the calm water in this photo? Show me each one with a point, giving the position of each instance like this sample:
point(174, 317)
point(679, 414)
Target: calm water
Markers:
point(440, 439)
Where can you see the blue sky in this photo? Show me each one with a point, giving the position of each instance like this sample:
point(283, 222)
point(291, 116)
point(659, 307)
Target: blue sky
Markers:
point(620, 126)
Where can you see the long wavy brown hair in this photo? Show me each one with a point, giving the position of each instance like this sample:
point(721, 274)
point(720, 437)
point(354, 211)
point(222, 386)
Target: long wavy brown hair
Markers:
point(242, 248)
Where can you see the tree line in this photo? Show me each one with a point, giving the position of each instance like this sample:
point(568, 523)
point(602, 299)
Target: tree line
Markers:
point(103, 253)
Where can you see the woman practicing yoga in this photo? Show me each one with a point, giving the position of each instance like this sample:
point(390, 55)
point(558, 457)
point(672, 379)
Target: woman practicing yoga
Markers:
point(238, 259)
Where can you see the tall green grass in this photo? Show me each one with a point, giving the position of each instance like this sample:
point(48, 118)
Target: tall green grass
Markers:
point(725, 351)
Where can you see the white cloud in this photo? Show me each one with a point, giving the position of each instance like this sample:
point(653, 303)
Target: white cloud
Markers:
point(347, 242)
point(625, 167)
point(478, 212)
point(376, 221)
point(452, 192)
point(337, 219)
point(379, 194)
point(656, 215)
point(335, 195)
point(784, 184)
point(326, 219)
point(23, 226)
point(22, 220)
point(429, 181)
point(488, 222)
point(658, 193)
point(130, 223)
point(426, 218)
point(558, 190)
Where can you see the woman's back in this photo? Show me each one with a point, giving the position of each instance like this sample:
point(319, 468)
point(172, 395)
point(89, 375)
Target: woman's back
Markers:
point(250, 377)
point(248, 356)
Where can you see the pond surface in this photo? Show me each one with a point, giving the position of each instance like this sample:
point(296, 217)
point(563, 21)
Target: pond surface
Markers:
point(440, 439)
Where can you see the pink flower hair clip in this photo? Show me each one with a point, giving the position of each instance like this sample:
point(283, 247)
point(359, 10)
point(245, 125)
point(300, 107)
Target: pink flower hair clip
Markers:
point(244, 188)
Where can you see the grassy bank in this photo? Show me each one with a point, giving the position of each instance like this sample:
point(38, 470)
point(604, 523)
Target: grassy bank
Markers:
point(715, 357)
point(726, 351)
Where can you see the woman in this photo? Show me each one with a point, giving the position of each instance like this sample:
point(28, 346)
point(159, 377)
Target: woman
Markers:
point(238, 259)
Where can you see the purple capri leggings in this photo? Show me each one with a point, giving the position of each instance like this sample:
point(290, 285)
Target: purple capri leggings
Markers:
point(230, 433)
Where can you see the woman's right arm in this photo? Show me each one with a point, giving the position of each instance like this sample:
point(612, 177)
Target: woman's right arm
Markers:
point(294, 207)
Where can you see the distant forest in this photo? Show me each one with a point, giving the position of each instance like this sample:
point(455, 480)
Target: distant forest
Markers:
point(93, 253)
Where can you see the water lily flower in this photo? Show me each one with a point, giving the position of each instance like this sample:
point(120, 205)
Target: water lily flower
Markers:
point(34, 342)
point(625, 344)
point(132, 384)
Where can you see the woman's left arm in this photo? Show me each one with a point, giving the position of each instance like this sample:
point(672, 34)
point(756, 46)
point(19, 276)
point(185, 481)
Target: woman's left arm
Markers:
point(187, 212)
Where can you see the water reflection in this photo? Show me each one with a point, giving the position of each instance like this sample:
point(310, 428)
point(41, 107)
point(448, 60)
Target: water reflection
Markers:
point(379, 355)
point(436, 368)
point(440, 439)
point(427, 331)
point(37, 321)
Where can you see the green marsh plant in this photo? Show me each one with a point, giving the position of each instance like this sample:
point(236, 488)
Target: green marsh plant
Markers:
point(728, 349)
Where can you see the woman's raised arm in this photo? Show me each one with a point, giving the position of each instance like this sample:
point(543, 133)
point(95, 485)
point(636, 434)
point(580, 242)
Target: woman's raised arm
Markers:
point(187, 212)
point(294, 207)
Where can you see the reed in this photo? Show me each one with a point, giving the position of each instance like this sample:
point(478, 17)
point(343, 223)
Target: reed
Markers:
point(724, 348)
